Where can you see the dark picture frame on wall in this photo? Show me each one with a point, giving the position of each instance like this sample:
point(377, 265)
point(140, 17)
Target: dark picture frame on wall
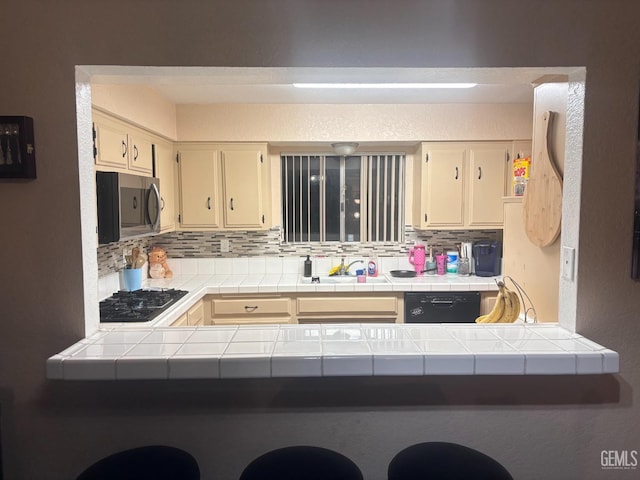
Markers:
point(17, 149)
point(635, 257)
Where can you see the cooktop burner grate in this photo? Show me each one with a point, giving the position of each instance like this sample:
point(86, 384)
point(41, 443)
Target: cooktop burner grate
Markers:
point(138, 306)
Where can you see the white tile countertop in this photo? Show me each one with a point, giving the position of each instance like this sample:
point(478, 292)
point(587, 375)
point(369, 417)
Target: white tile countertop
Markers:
point(154, 350)
point(220, 352)
point(199, 285)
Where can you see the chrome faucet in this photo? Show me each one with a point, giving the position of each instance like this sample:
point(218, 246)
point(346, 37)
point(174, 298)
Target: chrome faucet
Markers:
point(344, 269)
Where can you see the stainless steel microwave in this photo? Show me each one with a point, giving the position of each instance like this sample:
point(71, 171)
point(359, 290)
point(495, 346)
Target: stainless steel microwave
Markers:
point(128, 206)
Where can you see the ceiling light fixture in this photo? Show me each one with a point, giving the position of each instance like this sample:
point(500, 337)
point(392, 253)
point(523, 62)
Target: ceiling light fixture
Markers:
point(385, 85)
point(344, 148)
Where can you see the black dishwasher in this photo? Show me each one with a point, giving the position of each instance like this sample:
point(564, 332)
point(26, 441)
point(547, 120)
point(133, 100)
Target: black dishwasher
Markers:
point(441, 307)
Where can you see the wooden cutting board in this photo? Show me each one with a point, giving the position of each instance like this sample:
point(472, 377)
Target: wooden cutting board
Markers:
point(542, 202)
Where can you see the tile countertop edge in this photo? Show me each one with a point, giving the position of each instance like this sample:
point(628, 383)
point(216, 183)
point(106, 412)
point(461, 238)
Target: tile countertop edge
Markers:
point(330, 350)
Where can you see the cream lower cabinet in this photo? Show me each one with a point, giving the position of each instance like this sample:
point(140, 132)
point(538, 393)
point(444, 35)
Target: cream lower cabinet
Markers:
point(349, 308)
point(224, 186)
point(192, 317)
point(249, 309)
point(460, 185)
point(487, 301)
point(303, 308)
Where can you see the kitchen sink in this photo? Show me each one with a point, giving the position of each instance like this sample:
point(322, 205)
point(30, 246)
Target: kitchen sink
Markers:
point(335, 279)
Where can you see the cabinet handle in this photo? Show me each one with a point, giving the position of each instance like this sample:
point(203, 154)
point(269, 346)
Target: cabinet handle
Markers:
point(456, 173)
point(209, 203)
point(161, 204)
point(124, 149)
point(479, 173)
point(135, 153)
point(425, 217)
point(231, 203)
point(135, 202)
point(250, 308)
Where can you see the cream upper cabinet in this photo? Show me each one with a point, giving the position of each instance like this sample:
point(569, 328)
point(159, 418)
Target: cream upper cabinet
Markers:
point(140, 153)
point(486, 183)
point(243, 184)
point(459, 185)
point(198, 180)
point(111, 148)
point(224, 186)
point(121, 146)
point(443, 186)
point(165, 171)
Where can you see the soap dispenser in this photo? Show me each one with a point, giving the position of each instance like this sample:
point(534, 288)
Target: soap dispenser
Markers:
point(307, 266)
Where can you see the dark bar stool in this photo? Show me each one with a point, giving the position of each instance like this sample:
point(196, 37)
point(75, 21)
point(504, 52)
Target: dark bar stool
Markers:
point(444, 461)
point(154, 462)
point(302, 463)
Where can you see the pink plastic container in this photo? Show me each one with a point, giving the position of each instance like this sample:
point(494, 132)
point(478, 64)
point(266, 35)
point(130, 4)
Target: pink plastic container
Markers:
point(441, 264)
point(417, 257)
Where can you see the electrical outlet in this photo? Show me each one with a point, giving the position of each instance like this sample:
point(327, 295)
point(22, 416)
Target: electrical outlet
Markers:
point(225, 247)
point(568, 263)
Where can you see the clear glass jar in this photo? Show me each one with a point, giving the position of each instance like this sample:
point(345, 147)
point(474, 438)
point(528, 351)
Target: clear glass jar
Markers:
point(464, 267)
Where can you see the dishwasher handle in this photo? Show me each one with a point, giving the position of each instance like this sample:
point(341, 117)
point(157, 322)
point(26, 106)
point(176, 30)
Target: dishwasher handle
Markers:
point(441, 301)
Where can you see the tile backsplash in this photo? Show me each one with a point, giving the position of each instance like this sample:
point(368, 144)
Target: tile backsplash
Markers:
point(269, 244)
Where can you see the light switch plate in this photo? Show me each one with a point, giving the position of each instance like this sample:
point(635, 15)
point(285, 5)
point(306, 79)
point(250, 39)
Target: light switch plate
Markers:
point(224, 245)
point(568, 263)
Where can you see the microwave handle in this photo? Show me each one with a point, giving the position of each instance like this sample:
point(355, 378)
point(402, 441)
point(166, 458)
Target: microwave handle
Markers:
point(153, 189)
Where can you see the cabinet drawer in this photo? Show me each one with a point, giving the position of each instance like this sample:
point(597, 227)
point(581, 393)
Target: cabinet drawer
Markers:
point(251, 306)
point(351, 305)
point(244, 320)
point(333, 321)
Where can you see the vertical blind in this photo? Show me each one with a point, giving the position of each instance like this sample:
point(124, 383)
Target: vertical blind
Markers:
point(332, 198)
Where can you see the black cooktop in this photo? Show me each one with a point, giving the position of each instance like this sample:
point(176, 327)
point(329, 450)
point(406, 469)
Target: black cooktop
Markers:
point(138, 306)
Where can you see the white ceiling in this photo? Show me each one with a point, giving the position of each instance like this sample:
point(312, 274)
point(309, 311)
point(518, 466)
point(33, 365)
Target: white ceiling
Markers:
point(207, 85)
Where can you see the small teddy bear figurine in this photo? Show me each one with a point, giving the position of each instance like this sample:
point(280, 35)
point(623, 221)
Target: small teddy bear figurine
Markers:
point(158, 267)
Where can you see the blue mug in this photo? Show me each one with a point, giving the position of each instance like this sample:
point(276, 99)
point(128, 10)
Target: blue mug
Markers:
point(132, 279)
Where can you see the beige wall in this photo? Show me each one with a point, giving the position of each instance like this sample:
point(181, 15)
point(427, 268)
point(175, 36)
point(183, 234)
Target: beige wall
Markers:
point(139, 104)
point(551, 428)
point(361, 123)
point(537, 269)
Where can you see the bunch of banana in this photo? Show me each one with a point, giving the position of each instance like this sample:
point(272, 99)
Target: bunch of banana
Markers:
point(506, 308)
point(335, 270)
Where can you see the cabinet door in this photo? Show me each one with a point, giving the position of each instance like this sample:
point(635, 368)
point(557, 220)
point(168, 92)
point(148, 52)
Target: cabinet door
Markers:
point(198, 173)
point(243, 184)
point(487, 171)
point(164, 163)
point(181, 321)
point(140, 153)
point(111, 143)
point(195, 314)
point(443, 187)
